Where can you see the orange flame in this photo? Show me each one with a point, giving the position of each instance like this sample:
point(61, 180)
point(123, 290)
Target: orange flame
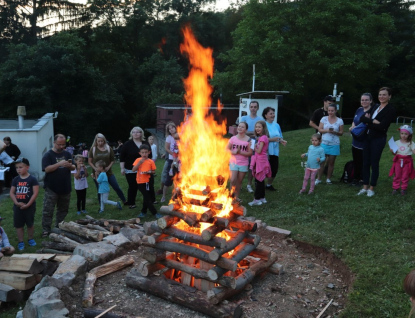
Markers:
point(202, 147)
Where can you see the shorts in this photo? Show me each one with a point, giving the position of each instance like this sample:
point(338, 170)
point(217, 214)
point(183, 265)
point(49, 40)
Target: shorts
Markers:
point(235, 167)
point(333, 150)
point(22, 217)
point(165, 177)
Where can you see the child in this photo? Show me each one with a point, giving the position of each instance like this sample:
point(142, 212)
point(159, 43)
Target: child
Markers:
point(153, 146)
point(145, 167)
point(23, 192)
point(81, 183)
point(5, 247)
point(259, 163)
point(315, 156)
point(175, 166)
point(403, 166)
point(104, 186)
point(409, 287)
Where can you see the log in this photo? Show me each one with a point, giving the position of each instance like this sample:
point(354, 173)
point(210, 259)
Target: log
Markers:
point(167, 221)
point(50, 250)
point(62, 239)
point(146, 268)
point(18, 281)
point(151, 228)
point(206, 216)
point(182, 295)
point(70, 235)
point(239, 210)
point(123, 222)
point(28, 266)
point(230, 245)
point(97, 272)
point(244, 225)
point(93, 235)
point(211, 231)
point(190, 250)
point(104, 231)
point(263, 252)
point(218, 294)
point(38, 257)
point(154, 255)
point(156, 238)
point(93, 313)
point(190, 218)
point(116, 229)
point(220, 221)
point(49, 268)
point(58, 246)
point(216, 206)
point(8, 293)
point(97, 222)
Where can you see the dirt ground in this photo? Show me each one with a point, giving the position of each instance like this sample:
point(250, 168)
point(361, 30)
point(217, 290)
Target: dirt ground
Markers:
point(312, 277)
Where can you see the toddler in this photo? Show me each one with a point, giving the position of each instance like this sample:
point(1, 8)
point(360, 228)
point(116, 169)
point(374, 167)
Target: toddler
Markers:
point(81, 183)
point(5, 247)
point(315, 156)
point(175, 166)
point(104, 186)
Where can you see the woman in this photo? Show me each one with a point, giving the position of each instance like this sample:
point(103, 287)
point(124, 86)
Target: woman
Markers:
point(101, 151)
point(357, 145)
point(129, 153)
point(240, 148)
point(275, 138)
point(169, 146)
point(378, 120)
point(331, 127)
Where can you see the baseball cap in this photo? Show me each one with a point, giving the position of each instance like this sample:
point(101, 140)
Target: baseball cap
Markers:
point(328, 98)
point(407, 128)
point(23, 160)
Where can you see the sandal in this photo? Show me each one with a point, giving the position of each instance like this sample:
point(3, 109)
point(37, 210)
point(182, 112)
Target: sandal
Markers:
point(45, 234)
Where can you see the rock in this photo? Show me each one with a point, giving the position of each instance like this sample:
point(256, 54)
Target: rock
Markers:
point(118, 240)
point(96, 252)
point(331, 286)
point(45, 303)
point(134, 235)
point(67, 272)
point(278, 230)
point(19, 314)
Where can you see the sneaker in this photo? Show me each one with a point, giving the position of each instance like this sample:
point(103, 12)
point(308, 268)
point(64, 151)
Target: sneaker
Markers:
point(119, 206)
point(403, 192)
point(100, 211)
point(142, 215)
point(302, 191)
point(79, 212)
point(263, 200)
point(31, 242)
point(20, 246)
point(317, 181)
point(394, 191)
point(370, 193)
point(255, 202)
point(328, 181)
point(158, 215)
point(155, 202)
point(132, 206)
point(249, 188)
point(270, 188)
point(84, 212)
point(311, 192)
point(362, 191)
point(162, 199)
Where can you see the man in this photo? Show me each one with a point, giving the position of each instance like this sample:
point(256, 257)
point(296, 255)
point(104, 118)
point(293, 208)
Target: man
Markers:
point(321, 112)
point(57, 164)
point(251, 120)
point(14, 152)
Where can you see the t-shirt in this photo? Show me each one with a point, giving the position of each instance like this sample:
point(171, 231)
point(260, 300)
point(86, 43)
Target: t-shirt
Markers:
point(329, 138)
point(250, 121)
point(405, 149)
point(59, 181)
point(154, 152)
point(356, 120)
point(107, 156)
point(103, 184)
point(24, 188)
point(239, 159)
point(264, 150)
point(172, 142)
point(274, 130)
point(82, 182)
point(313, 153)
point(318, 114)
point(147, 165)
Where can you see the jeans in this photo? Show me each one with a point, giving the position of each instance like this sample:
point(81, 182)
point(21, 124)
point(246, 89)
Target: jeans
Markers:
point(372, 151)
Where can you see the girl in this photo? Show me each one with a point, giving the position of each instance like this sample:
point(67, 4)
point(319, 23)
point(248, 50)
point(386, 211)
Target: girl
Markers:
point(315, 156)
point(403, 166)
point(240, 148)
point(166, 179)
point(409, 287)
point(81, 183)
point(153, 148)
point(259, 164)
point(104, 186)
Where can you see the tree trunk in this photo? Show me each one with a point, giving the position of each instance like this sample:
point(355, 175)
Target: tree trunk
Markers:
point(93, 235)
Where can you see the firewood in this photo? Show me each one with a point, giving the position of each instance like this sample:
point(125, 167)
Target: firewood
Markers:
point(230, 245)
point(81, 231)
point(276, 268)
point(95, 221)
point(151, 228)
point(122, 223)
point(211, 231)
point(70, 235)
point(18, 281)
point(186, 279)
point(94, 274)
point(8, 293)
point(28, 266)
point(215, 205)
point(190, 218)
point(49, 268)
point(62, 239)
point(239, 209)
point(50, 250)
point(220, 221)
point(116, 229)
point(244, 225)
point(58, 246)
point(263, 252)
point(167, 221)
point(154, 255)
point(146, 268)
point(104, 231)
point(218, 294)
point(38, 257)
point(153, 239)
point(206, 216)
point(182, 295)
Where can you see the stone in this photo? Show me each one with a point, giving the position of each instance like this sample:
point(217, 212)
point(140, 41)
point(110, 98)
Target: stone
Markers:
point(331, 286)
point(134, 235)
point(68, 271)
point(118, 240)
point(278, 230)
point(45, 303)
point(19, 314)
point(96, 252)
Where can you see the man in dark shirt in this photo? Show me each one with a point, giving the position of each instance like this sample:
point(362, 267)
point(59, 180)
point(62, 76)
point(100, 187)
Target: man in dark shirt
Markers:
point(57, 164)
point(14, 152)
point(321, 112)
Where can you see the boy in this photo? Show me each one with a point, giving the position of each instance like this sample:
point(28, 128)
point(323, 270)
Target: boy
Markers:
point(5, 247)
point(23, 192)
point(145, 167)
point(104, 186)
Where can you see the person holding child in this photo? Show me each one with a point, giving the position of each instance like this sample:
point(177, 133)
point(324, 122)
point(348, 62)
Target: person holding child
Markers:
point(5, 247)
point(315, 156)
point(104, 186)
point(240, 148)
point(260, 166)
point(145, 167)
point(23, 192)
point(403, 165)
point(81, 183)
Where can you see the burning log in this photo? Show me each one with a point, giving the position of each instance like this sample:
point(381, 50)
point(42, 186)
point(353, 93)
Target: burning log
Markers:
point(244, 225)
point(239, 210)
point(167, 221)
point(230, 245)
point(223, 222)
point(218, 294)
point(146, 268)
point(93, 275)
point(70, 235)
point(216, 206)
point(182, 295)
point(211, 231)
point(190, 218)
point(81, 231)
point(206, 216)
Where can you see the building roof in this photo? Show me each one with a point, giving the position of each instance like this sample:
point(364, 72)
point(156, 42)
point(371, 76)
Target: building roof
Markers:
point(28, 124)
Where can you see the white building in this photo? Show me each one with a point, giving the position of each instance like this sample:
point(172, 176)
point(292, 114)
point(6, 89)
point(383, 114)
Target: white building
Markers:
point(33, 137)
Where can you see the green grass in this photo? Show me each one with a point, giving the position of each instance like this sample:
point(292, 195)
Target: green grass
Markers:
point(373, 236)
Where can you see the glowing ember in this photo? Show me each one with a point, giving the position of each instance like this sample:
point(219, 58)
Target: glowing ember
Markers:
point(202, 148)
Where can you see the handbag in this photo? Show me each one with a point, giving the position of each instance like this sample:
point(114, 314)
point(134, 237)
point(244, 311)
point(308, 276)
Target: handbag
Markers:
point(359, 131)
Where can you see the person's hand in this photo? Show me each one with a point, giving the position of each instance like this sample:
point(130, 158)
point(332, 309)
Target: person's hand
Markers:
point(123, 171)
point(367, 115)
point(375, 121)
point(318, 159)
point(284, 142)
point(24, 207)
point(66, 164)
point(20, 204)
point(234, 151)
point(303, 155)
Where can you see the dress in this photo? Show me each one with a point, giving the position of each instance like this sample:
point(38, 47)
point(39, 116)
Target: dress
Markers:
point(403, 166)
point(331, 142)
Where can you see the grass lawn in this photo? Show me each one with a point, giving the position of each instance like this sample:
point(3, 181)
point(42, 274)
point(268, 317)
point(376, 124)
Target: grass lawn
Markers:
point(373, 236)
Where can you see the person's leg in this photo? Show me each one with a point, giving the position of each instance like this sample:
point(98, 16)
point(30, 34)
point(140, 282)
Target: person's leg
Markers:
point(99, 196)
point(102, 202)
point(49, 201)
point(240, 178)
point(366, 163)
point(330, 162)
point(274, 163)
point(152, 192)
point(321, 170)
point(164, 175)
point(104, 197)
point(313, 175)
point(358, 163)
point(307, 174)
point(259, 189)
point(405, 176)
point(396, 183)
point(114, 184)
point(147, 199)
point(132, 188)
point(377, 146)
point(20, 234)
point(78, 200)
point(234, 178)
point(62, 207)
point(83, 200)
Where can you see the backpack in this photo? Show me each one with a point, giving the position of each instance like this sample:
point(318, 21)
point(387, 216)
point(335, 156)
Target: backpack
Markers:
point(348, 172)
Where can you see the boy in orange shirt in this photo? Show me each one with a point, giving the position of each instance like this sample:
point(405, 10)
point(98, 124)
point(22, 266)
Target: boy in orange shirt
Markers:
point(145, 167)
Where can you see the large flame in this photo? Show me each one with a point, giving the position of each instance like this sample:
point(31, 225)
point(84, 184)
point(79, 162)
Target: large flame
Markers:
point(202, 147)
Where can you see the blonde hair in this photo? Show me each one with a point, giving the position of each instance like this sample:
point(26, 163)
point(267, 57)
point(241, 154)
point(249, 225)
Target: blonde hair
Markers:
point(100, 163)
point(95, 143)
point(168, 127)
point(264, 128)
point(77, 157)
point(142, 133)
point(409, 287)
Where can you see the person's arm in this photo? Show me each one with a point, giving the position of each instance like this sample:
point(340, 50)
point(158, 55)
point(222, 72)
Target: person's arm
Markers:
point(322, 156)
point(321, 129)
point(167, 148)
point(13, 197)
point(138, 164)
point(313, 125)
point(247, 153)
point(259, 147)
point(90, 162)
point(32, 199)
point(122, 160)
point(5, 238)
point(340, 132)
point(18, 152)
point(62, 163)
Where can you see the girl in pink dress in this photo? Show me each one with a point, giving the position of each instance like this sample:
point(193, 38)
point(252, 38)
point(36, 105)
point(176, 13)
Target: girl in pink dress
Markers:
point(259, 163)
point(240, 148)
